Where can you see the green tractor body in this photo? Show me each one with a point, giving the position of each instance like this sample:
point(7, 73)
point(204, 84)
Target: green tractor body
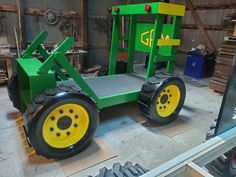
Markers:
point(61, 113)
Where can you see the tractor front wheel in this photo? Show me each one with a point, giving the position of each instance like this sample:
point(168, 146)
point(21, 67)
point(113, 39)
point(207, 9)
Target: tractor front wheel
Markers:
point(61, 123)
point(162, 99)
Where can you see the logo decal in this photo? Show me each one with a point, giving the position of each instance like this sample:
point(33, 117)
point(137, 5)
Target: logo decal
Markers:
point(146, 37)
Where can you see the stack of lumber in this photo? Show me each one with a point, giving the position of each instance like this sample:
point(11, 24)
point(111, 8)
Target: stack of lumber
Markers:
point(223, 66)
point(3, 76)
point(4, 46)
point(4, 51)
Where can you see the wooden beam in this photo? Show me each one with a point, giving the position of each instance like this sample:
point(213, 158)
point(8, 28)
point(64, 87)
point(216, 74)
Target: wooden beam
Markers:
point(207, 27)
point(40, 12)
point(34, 11)
point(8, 8)
point(231, 5)
point(84, 23)
point(21, 23)
point(200, 25)
point(193, 170)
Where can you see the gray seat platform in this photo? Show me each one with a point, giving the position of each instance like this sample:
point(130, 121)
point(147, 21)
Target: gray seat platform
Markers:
point(111, 85)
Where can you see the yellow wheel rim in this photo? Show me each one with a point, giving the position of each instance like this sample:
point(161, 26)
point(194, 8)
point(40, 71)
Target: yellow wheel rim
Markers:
point(168, 100)
point(65, 125)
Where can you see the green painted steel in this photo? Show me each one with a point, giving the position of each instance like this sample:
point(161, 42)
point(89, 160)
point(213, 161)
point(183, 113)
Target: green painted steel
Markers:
point(31, 83)
point(35, 45)
point(119, 98)
point(154, 49)
point(155, 8)
point(50, 62)
point(63, 61)
point(131, 45)
point(142, 35)
point(158, 39)
point(114, 45)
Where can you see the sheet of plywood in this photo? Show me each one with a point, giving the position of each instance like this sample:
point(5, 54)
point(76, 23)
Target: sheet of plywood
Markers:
point(177, 127)
point(97, 152)
point(193, 170)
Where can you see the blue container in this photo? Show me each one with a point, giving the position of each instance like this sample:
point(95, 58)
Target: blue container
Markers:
point(198, 66)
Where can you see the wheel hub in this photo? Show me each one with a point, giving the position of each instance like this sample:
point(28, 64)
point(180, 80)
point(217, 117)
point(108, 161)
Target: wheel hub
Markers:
point(164, 99)
point(64, 122)
point(168, 100)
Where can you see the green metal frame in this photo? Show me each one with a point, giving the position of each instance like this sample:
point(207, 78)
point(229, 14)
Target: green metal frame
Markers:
point(160, 50)
point(32, 71)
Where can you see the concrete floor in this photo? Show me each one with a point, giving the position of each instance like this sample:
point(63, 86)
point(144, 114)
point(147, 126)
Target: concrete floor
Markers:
point(142, 143)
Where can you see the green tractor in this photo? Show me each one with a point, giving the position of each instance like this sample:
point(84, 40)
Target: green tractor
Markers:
point(61, 114)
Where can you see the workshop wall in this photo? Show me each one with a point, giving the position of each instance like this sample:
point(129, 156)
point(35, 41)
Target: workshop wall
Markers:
point(192, 37)
point(213, 19)
point(99, 26)
point(99, 39)
point(99, 30)
point(34, 24)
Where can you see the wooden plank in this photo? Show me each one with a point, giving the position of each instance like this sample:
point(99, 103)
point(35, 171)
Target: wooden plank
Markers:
point(200, 25)
point(193, 170)
point(7, 7)
point(227, 53)
point(206, 26)
point(40, 12)
point(226, 45)
point(221, 80)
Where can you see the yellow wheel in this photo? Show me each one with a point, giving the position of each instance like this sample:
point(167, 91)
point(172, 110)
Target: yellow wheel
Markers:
point(168, 100)
point(162, 99)
point(65, 125)
point(61, 123)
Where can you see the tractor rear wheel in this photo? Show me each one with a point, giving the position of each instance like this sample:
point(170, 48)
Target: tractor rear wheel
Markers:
point(61, 122)
point(162, 99)
point(13, 91)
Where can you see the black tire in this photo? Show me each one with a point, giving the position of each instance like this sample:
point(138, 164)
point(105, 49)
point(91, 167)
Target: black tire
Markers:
point(43, 105)
point(151, 94)
point(225, 165)
point(103, 71)
point(127, 170)
point(13, 91)
point(120, 68)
